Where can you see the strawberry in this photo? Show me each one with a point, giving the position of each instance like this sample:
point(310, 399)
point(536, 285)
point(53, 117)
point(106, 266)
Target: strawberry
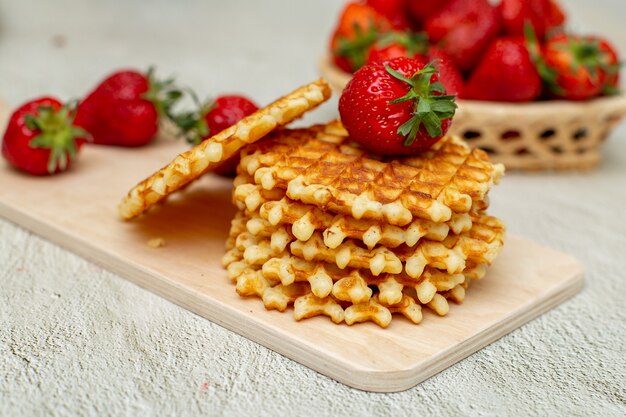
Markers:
point(125, 108)
point(576, 67)
point(449, 74)
point(543, 15)
point(415, 45)
point(213, 117)
point(396, 44)
point(464, 29)
point(41, 137)
point(228, 110)
point(505, 73)
point(421, 10)
point(394, 10)
point(358, 28)
point(610, 65)
point(555, 16)
point(397, 107)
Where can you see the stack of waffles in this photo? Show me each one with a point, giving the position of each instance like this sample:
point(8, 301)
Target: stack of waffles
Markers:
point(331, 229)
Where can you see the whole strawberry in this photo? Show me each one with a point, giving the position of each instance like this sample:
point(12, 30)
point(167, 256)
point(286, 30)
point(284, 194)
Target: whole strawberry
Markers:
point(40, 138)
point(358, 28)
point(543, 15)
point(577, 67)
point(415, 45)
point(505, 73)
point(226, 111)
point(421, 10)
point(397, 107)
point(463, 29)
point(394, 10)
point(449, 74)
point(610, 64)
point(397, 44)
point(125, 108)
point(213, 117)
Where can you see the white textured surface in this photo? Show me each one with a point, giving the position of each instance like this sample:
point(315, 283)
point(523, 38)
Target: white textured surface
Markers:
point(77, 340)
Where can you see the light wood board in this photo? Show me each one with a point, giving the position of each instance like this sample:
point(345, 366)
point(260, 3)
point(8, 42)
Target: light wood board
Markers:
point(77, 210)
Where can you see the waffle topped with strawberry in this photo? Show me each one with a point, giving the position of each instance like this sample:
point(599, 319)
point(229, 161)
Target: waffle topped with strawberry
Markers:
point(330, 228)
point(378, 214)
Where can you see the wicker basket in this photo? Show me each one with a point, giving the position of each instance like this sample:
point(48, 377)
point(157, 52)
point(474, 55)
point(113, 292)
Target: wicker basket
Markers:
point(531, 136)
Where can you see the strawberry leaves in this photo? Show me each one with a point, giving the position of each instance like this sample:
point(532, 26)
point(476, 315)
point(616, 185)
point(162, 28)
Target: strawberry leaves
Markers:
point(163, 94)
point(57, 133)
point(415, 43)
point(192, 125)
point(548, 74)
point(355, 49)
point(431, 104)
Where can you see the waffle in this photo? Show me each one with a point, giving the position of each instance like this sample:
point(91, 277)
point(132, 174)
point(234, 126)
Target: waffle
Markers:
point(306, 219)
point(351, 299)
point(336, 229)
point(330, 229)
point(191, 164)
point(322, 167)
point(352, 285)
point(480, 245)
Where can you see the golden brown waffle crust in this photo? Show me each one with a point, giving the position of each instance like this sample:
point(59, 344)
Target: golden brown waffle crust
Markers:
point(321, 166)
point(204, 157)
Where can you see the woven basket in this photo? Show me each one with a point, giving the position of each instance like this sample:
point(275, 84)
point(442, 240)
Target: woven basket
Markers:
point(530, 136)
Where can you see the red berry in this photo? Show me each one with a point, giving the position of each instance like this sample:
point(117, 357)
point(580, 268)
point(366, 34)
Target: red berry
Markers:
point(543, 15)
point(577, 67)
point(394, 10)
point(40, 138)
point(211, 118)
point(463, 29)
point(449, 75)
point(421, 10)
point(358, 28)
point(610, 65)
point(226, 111)
point(396, 107)
point(125, 108)
point(505, 73)
point(398, 44)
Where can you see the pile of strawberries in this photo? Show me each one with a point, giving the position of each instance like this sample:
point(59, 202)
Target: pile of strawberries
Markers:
point(515, 51)
point(45, 135)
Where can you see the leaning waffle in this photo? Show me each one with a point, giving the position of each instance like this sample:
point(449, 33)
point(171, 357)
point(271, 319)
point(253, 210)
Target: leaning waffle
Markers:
point(191, 164)
point(322, 167)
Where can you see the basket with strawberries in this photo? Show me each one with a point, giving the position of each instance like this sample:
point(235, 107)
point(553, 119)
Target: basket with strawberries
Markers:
point(530, 93)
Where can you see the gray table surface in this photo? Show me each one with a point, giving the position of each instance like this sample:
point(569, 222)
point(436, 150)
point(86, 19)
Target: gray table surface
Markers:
point(78, 340)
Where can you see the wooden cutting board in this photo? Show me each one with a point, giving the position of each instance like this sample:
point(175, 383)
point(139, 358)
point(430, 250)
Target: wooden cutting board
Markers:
point(77, 210)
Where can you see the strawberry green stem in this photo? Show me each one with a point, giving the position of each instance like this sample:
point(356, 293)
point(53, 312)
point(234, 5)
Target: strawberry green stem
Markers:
point(165, 95)
point(355, 49)
point(415, 43)
point(430, 104)
point(547, 74)
point(192, 124)
point(162, 93)
point(57, 133)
